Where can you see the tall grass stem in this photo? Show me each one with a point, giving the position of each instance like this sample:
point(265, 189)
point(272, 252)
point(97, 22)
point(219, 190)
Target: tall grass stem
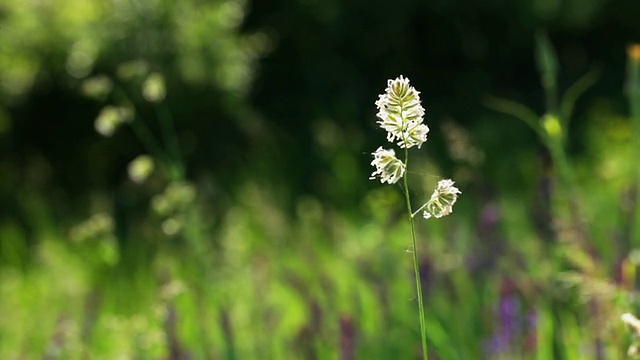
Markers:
point(170, 138)
point(633, 94)
point(147, 139)
point(416, 265)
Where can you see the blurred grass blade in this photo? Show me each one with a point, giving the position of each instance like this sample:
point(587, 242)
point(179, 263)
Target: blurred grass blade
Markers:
point(547, 62)
point(632, 88)
point(440, 339)
point(545, 334)
point(514, 109)
point(574, 92)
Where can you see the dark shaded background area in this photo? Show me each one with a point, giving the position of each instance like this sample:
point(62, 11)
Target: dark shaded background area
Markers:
point(455, 52)
point(327, 62)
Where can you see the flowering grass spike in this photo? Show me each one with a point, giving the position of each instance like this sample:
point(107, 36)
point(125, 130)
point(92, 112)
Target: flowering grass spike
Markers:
point(442, 200)
point(388, 167)
point(401, 114)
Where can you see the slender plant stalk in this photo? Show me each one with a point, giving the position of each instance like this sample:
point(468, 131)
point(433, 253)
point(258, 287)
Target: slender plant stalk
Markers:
point(170, 139)
point(416, 265)
point(147, 139)
point(633, 94)
point(150, 143)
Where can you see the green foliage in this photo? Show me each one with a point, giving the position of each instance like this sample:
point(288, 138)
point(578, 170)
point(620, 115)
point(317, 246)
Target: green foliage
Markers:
point(247, 228)
point(199, 42)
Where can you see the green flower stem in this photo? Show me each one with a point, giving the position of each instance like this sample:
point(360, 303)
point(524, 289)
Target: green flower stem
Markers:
point(142, 131)
point(147, 139)
point(419, 209)
point(416, 267)
point(170, 139)
point(561, 160)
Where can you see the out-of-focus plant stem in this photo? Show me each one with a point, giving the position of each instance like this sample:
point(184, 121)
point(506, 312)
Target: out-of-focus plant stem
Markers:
point(553, 125)
point(633, 94)
point(170, 138)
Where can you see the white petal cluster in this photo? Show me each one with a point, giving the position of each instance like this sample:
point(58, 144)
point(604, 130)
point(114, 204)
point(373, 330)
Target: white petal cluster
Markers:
point(401, 114)
point(389, 168)
point(442, 200)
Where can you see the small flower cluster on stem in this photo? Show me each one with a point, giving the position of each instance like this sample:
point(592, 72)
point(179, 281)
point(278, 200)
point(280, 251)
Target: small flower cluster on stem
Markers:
point(388, 167)
point(442, 200)
point(401, 114)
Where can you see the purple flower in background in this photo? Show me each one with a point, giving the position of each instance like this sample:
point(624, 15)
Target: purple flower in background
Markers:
point(508, 323)
point(514, 331)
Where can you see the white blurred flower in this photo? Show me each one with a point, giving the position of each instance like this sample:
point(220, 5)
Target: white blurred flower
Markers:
point(631, 321)
point(401, 114)
point(97, 87)
point(154, 89)
point(171, 226)
point(388, 167)
point(442, 200)
point(140, 168)
point(110, 118)
point(132, 69)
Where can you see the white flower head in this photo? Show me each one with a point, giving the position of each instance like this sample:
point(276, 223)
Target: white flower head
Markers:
point(153, 88)
point(631, 321)
point(110, 118)
point(401, 114)
point(140, 168)
point(389, 168)
point(442, 200)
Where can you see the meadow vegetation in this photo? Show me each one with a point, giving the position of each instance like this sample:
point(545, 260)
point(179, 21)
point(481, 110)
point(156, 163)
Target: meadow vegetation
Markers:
point(188, 180)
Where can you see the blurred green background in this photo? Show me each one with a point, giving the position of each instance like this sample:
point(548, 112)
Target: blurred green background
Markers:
point(190, 179)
